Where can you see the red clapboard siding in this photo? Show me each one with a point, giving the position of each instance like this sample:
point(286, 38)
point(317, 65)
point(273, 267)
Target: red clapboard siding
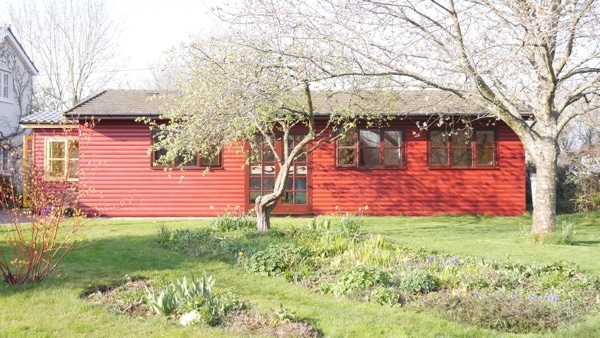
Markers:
point(418, 190)
point(116, 177)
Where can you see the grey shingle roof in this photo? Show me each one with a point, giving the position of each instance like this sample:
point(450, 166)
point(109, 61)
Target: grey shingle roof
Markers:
point(121, 103)
point(45, 117)
point(152, 103)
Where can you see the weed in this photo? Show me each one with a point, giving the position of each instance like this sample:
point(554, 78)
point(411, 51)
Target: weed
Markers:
point(564, 235)
point(385, 296)
point(231, 221)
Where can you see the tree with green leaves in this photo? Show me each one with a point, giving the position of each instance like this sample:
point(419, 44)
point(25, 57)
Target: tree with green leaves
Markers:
point(236, 91)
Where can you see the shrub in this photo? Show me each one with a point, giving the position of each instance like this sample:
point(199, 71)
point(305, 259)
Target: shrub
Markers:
point(359, 278)
point(287, 260)
point(419, 281)
point(385, 296)
point(36, 247)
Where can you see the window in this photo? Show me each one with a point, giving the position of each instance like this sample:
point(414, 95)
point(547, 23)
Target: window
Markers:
point(4, 159)
point(4, 85)
point(371, 148)
point(62, 158)
point(191, 161)
point(462, 149)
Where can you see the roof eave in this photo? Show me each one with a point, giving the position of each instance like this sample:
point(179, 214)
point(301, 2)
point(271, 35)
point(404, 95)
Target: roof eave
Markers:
point(16, 45)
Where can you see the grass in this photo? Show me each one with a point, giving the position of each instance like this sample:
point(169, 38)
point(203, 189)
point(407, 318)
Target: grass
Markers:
point(125, 247)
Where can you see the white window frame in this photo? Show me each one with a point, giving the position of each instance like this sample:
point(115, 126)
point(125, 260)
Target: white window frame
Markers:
point(67, 161)
point(4, 85)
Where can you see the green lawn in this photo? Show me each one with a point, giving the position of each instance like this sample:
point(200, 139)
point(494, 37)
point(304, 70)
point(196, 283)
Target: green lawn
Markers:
point(53, 308)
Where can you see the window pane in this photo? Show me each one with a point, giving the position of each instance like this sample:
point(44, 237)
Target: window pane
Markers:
point(210, 161)
point(253, 196)
point(370, 157)
point(392, 157)
point(346, 156)
point(439, 139)
point(56, 168)
point(73, 149)
point(369, 138)
point(392, 138)
point(268, 156)
point(485, 138)
point(186, 160)
point(485, 156)
point(300, 198)
point(300, 184)
point(461, 157)
point(57, 149)
point(347, 140)
point(268, 183)
point(300, 158)
point(73, 169)
point(461, 138)
point(287, 198)
point(289, 183)
point(158, 154)
point(439, 156)
point(255, 183)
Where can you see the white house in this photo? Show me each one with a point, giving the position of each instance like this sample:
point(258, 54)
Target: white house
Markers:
point(16, 91)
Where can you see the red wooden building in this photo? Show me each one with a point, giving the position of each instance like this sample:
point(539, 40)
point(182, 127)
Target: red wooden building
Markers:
point(396, 170)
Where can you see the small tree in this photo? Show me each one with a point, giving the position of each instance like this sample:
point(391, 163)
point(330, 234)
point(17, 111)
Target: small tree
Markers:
point(233, 90)
point(37, 240)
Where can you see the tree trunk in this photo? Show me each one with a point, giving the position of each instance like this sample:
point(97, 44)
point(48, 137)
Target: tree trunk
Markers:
point(544, 211)
point(263, 213)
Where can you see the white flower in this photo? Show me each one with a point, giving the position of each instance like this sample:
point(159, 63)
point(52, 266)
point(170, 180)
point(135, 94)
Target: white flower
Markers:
point(189, 318)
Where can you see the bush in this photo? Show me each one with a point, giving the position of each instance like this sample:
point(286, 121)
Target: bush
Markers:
point(287, 260)
point(419, 281)
point(37, 245)
point(359, 278)
point(385, 296)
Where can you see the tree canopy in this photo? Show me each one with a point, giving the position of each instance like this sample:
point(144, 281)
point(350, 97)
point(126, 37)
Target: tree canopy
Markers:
point(534, 64)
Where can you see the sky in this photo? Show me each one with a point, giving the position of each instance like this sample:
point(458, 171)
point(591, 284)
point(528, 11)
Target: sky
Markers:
point(150, 27)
